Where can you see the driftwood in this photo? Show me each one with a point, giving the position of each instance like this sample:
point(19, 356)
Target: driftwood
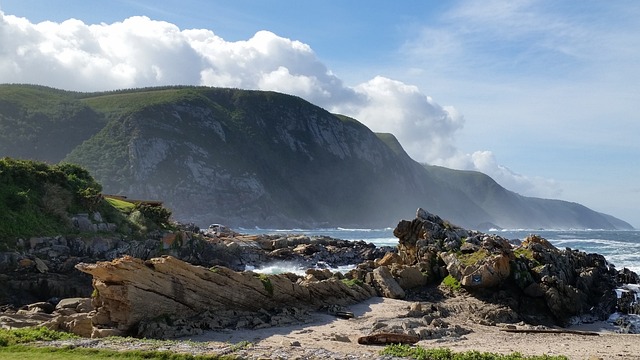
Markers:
point(552, 331)
point(387, 338)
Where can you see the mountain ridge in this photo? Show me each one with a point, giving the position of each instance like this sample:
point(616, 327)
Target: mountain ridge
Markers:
point(255, 158)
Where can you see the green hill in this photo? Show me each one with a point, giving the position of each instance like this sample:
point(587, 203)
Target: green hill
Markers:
point(37, 199)
point(43, 124)
point(255, 158)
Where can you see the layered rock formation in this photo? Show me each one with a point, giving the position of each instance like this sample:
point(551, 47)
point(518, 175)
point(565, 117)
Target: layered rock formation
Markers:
point(129, 291)
point(42, 268)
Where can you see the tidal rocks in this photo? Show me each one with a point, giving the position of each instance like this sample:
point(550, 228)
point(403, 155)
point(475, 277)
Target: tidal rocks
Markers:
point(71, 315)
point(40, 268)
point(535, 279)
point(130, 291)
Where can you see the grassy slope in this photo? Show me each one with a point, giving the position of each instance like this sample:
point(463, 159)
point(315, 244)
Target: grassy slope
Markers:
point(37, 199)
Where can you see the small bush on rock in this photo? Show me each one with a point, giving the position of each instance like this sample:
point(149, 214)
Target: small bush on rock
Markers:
point(451, 282)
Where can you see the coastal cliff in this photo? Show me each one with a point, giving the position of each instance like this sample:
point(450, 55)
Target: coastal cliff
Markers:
point(254, 158)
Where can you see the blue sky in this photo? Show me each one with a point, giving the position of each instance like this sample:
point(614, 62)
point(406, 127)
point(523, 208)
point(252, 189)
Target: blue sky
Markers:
point(541, 95)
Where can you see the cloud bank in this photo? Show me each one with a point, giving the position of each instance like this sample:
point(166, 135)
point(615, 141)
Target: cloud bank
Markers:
point(139, 52)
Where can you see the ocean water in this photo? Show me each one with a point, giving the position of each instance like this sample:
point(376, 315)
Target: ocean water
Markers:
point(621, 248)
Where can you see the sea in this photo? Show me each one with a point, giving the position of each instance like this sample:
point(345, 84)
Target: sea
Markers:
point(620, 247)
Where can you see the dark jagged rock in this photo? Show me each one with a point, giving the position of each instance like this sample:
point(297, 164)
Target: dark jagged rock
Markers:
point(535, 279)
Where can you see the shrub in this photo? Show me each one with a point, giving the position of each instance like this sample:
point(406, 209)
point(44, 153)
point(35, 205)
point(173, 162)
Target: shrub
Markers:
point(157, 215)
point(451, 282)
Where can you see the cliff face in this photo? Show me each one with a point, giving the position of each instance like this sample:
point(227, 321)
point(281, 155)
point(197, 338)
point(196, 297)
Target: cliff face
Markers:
point(251, 158)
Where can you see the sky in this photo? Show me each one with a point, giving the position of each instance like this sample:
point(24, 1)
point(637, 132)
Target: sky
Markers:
point(543, 96)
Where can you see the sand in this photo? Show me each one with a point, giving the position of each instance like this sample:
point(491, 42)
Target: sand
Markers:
point(327, 336)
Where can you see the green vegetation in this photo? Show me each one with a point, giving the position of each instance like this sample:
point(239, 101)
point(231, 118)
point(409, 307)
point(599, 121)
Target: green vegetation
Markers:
point(527, 254)
point(452, 283)
point(27, 335)
point(352, 282)
point(266, 281)
point(123, 206)
point(37, 199)
point(35, 122)
point(472, 258)
point(19, 345)
point(420, 353)
point(119, 103)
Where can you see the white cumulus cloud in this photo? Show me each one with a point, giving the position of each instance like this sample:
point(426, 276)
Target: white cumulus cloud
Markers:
point(140, 52)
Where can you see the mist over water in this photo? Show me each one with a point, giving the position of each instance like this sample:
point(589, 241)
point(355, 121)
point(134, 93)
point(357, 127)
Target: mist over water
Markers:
point(619, 247)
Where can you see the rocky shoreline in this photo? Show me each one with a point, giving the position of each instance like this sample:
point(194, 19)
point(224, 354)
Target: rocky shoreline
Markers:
point(449, 283)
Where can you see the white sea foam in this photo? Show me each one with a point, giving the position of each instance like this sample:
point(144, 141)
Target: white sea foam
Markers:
point(621, 248)
point(281, 267)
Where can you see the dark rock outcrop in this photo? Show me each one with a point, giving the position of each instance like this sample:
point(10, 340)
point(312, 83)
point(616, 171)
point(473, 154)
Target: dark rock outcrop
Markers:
point(535, 279)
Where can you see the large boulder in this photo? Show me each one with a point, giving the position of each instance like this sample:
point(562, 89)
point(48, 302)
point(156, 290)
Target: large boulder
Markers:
point(130, 290)
point(388, 286)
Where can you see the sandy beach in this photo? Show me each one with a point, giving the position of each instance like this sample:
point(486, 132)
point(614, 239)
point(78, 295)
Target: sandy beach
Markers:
point(327, 336)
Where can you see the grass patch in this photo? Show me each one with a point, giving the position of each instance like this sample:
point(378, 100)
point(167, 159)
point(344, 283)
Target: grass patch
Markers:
point(22, 352)
point(122, 205)
point(18, 345)
point(473, 258)
point(26, 335)
point(420, 353)
point(527, 254)
point(352, 282)
point(452, 283)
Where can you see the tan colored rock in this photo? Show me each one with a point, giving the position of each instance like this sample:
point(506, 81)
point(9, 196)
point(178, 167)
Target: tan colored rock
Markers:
point(487, 271)
point(26, 263)
point(76, 304)
point(106, 332)
point(536, 239)
point(389, 258)
point(130, 290)
point(388, 285)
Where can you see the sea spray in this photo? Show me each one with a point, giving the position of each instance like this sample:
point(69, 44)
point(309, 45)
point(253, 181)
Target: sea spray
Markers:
point(281, 267)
